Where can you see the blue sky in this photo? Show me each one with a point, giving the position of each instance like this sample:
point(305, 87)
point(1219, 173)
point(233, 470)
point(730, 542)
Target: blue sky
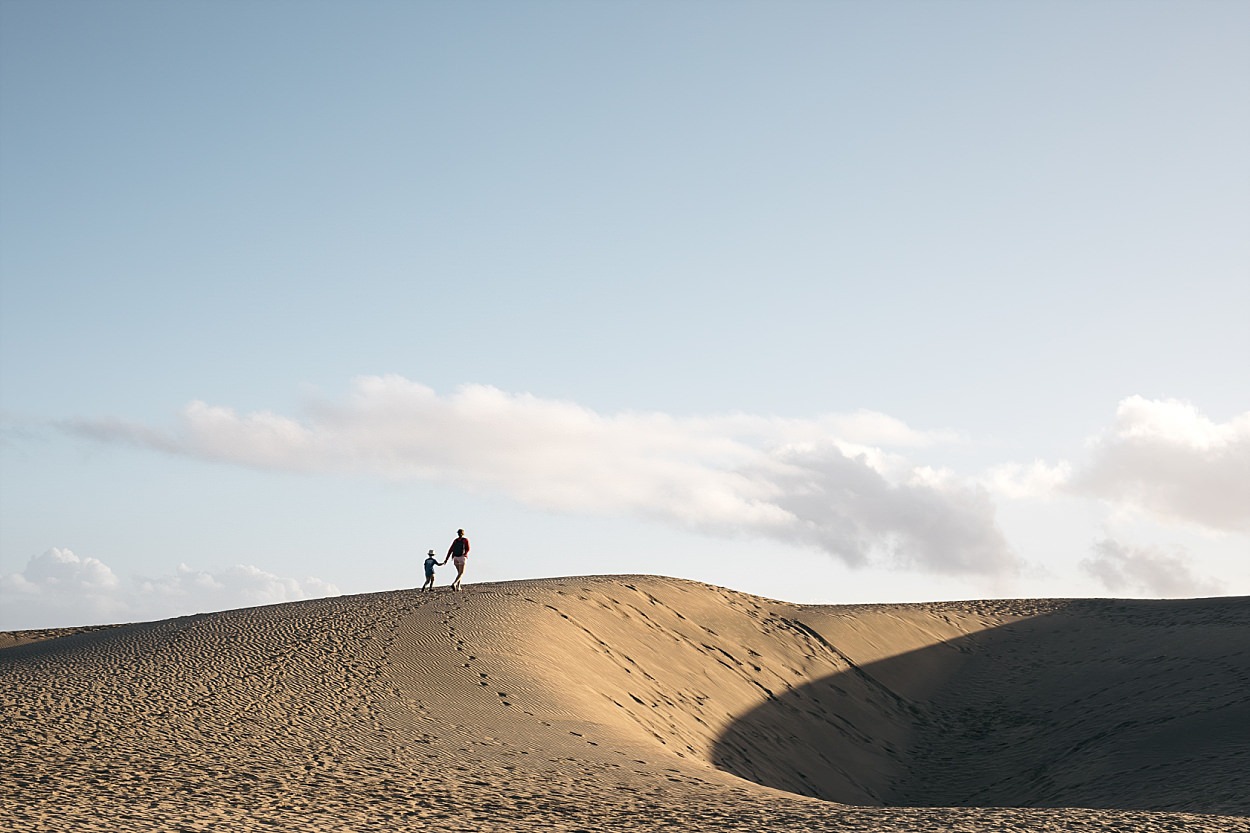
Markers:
point(828, 302)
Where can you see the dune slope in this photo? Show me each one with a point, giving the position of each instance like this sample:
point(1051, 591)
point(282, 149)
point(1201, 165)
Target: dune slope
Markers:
point(1114, 704)
point(632, 702)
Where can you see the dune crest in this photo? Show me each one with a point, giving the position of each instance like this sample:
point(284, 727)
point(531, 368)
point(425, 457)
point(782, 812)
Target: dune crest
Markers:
point(635, 702)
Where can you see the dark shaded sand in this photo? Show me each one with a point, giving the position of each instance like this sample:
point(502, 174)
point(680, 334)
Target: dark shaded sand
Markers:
point(635, 703)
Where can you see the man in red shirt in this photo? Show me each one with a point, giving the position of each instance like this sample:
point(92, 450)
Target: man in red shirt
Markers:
point(458, 552)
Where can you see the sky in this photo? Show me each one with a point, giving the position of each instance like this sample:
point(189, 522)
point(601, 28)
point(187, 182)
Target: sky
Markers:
point(829, 302)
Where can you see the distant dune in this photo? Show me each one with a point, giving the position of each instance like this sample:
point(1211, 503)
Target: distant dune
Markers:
point(634, 703)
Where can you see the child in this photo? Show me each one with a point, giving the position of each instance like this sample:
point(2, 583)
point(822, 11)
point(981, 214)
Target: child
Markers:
point(430, 561)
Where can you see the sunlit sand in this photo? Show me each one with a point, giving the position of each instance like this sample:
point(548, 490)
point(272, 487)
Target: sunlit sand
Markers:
point(634, 703)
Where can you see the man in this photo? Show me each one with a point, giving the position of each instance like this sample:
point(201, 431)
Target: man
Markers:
point(458, 552)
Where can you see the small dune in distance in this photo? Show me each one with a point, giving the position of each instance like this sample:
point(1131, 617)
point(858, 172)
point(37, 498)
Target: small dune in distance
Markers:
point(612, 703)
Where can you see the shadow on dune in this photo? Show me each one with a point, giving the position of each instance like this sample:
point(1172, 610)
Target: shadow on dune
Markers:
point(1132, 705)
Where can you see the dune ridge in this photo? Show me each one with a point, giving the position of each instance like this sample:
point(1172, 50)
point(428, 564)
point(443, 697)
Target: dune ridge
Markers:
point(635, 703)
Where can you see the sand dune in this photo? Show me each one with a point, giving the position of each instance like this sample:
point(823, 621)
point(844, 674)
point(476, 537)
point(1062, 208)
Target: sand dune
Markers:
point(634, 703)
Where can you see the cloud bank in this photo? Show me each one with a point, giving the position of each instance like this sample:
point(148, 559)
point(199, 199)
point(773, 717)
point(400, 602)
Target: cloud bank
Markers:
point(1160, 459)
point(838, 483)
point(60, 587)
point(1149, 570)
point(1164, 458)
point(843, 483)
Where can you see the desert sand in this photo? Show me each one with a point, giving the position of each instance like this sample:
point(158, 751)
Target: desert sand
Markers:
point(634, 703)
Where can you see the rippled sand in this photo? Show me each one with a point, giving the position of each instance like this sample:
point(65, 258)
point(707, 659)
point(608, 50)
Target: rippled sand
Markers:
point(634, 703)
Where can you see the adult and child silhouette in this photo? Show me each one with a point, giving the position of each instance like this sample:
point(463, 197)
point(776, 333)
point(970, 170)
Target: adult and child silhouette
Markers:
point(458, 553)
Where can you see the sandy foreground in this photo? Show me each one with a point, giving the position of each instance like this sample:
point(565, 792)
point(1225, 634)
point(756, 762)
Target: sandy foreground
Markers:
point(634, 703)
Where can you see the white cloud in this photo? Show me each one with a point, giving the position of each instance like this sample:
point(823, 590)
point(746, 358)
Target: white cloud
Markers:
point(831, 482)
point(58, 588)
point(930, 521)
point(1165, 459)
point(58, 584)
point(1149, 570)
point(1033, 480)
point(1162, 460)
point(242, 585)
